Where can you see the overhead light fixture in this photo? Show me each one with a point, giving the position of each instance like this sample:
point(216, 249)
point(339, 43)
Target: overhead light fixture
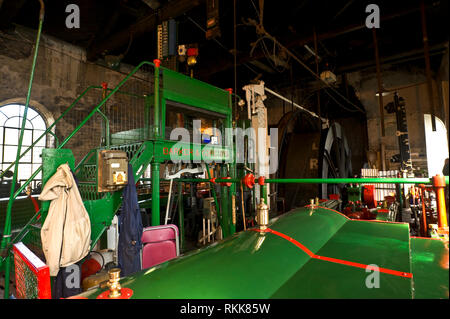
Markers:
point(328, 77)
point(382, 93)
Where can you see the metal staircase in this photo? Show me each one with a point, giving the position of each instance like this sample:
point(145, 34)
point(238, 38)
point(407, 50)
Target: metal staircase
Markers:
point(101, 206)
point(143, 141)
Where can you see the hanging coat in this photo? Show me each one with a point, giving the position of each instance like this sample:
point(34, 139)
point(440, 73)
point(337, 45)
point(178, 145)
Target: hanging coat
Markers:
point(130, 229)
point(66, 233)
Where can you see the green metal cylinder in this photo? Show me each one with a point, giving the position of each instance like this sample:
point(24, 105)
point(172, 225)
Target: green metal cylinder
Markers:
point(155, 194)
point(264, 193)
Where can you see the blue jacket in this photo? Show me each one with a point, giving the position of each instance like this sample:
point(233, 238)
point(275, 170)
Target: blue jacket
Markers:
point(130, 229)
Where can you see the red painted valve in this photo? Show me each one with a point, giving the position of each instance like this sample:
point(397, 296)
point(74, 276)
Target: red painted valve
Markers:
point(249, 180)
point(261, 180)
point(226, 183)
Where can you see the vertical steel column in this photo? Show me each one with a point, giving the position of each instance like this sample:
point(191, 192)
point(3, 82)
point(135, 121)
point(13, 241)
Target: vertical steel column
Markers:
point(155, 165)
point(439, 186)
point(156, 105)
point(155, 194)
point(7, 230)
point(233, 173)
point(181, 214)
point(398, 192)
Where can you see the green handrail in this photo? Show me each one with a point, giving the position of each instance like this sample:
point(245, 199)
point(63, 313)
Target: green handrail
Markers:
point(103, 102)
point(83, 160)
point(107, 136)
point(71, 106)
point(7, 230)
point(6, 233)
point(48, 130)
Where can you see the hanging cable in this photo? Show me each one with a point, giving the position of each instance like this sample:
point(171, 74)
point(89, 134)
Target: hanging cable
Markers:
point(218, 42)
point(235, 59)
point(260, 30)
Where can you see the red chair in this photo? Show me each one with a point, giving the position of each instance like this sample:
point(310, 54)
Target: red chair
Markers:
point(160, 244)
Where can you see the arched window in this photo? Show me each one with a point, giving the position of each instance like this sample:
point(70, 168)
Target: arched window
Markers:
point(11, 116)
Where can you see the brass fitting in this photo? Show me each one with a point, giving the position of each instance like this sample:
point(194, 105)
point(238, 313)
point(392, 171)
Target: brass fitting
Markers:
point(312, 206)
point(262, 215)
point(113, 283)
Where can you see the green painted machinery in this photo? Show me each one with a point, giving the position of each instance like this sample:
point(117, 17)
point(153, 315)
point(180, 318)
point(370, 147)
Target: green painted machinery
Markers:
point(145, 147)
point(308, 253)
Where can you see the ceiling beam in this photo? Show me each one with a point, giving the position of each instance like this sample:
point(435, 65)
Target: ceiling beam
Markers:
point(402, 57)
point(147, 24)
point(245, 58)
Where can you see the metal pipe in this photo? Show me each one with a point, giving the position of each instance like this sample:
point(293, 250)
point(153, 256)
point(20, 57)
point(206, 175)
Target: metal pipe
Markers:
point(166, 219)
point(226, 222)
point(323, 180)
point(317, 70)
point(439, 186)
point(379, 81)
point(243, 210)
point(426, 50)
point(107, 135)
point(181, 215)
point(424, 212)
point(296, 105)
point(105, 122)
point(7, 230)
point(155, 194)
point(354, 180)
point(213, 191)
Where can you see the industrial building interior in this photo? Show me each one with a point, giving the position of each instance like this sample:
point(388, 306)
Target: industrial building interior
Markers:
point(224, 149)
